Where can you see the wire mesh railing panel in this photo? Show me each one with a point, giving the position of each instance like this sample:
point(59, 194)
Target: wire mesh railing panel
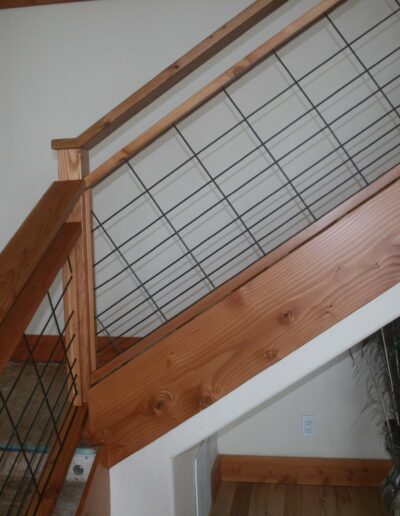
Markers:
point(303, 131)
point(37, 395)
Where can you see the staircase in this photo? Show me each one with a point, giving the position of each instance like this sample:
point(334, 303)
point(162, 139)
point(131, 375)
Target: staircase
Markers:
point(240, 242)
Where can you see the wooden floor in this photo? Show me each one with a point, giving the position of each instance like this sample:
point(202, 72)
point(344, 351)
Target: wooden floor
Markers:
point(238, 499)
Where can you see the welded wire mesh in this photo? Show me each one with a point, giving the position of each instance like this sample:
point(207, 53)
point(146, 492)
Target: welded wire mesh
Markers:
point(306, 129)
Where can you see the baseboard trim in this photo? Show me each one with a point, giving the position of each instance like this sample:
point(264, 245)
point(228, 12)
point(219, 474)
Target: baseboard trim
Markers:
point(298, 470)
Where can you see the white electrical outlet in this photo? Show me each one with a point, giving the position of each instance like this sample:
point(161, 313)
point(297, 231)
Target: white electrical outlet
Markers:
point(308, 426)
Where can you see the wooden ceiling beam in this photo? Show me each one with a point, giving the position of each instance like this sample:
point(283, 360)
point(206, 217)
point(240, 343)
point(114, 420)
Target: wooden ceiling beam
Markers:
point(11, 4)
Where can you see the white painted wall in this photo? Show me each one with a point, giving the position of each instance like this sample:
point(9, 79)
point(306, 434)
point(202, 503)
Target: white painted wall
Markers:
point(64, 66)
point(337, 400)
point(144, 483)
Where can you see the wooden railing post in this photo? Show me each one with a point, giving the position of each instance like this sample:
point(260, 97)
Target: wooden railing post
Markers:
point(74, 164)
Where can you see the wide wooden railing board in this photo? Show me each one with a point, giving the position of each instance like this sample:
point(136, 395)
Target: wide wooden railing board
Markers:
point(30, 243)
point(304, 294)
point(173, 74)
point(26, 304)
point(95, 499)
point(11, 4)
point(251, 272)
point(210, 90)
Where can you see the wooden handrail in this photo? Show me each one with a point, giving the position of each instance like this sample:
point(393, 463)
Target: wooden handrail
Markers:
point(210, 90)
point(248, 274)
point(171, 75)
point(30, 243)
point(24, 307)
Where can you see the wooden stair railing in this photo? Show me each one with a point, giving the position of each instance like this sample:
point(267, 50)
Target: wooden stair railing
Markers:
point(136, 396)
point(44, 419)
point(341, 263)
point(74, 156)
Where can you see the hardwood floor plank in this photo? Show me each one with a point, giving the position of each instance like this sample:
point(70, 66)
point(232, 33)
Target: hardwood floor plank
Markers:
point(246, 499)
point(223, 503)
point(365, 502)
point(328, 501)
point(293, 500)
point(276, 500)
point(241, 500)
point(310, 501)
point(344, 501)
point(258, 500)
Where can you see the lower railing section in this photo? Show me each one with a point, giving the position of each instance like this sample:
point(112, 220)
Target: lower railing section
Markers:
point(38, 408)
point(41, 409)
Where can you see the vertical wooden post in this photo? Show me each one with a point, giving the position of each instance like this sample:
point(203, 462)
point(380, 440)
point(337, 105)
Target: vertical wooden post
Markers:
point(74, 164)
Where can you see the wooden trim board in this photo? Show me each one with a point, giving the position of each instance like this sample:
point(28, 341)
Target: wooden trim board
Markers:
point(95, 499)
point(301, 470)
point(171, 75)
point(30, 243)
point(251, 272)
point(29, 299)
point(322, 282)
point(11, 4)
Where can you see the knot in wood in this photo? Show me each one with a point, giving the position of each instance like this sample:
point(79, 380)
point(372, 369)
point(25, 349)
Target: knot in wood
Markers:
point(271, 354)
point(161, 402)
point(287, 316)
point(207, 399)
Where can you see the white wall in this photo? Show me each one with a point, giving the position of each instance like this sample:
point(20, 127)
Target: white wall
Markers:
point(337, 400)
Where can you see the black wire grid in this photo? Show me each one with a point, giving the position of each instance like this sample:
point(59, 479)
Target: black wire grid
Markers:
point(36, 409)
point(198, 207)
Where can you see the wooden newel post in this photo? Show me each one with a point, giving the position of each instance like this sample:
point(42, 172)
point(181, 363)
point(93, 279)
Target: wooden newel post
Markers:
point(74, 164)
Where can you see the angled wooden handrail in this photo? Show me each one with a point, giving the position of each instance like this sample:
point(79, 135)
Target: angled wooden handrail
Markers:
point(24, 307)
point(171, 75)
point(248, 274)
point(210, 90)
point(30, 243)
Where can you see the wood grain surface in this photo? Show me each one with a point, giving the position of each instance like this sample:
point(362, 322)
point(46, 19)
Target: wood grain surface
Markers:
point(302, 470)
point(95, 500)
point(30, 243)
point(295, 500)
point(24, 307)
point(10, 4)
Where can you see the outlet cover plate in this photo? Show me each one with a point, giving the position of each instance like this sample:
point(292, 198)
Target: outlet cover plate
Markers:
point(308, 426)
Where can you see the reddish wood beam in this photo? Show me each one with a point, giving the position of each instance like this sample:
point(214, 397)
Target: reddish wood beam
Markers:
point(11, 4)
point(30, 243)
